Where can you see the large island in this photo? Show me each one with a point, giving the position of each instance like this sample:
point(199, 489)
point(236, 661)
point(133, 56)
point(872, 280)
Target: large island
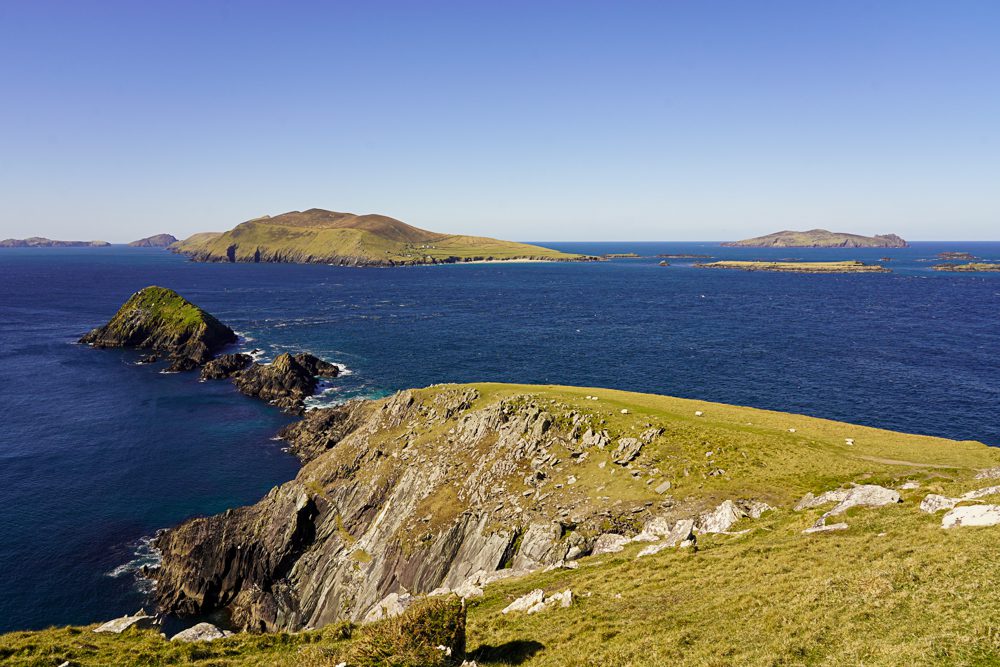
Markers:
point(819, 238)
point(328, 237)
point(41, 242)
point(850, 266)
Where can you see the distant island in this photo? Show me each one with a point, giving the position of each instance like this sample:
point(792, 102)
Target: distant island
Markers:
point(971, 266)
point(684, 256)
point(957, 255)
point(39, 242)
point(798, 267)
point(155, 241)
point(347, 239)
point(819, 238)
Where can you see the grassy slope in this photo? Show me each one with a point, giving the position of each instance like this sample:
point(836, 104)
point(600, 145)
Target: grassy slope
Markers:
point(851, 266)
point(317, 244)
point(893, 589)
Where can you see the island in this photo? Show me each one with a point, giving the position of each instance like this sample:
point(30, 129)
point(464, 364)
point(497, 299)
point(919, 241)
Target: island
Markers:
point(950, 255)
point(684, 256)
point(347, 239)
point(489, 518)
point(819, 238)
point(620, 255)
point(40, 242)
point(852, 266)
point(155, 241)
point(970, 267)
point(162, 321)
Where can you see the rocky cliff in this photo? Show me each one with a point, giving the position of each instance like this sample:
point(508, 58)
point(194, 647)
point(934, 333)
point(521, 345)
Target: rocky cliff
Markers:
point(161, 320)
point(431, 488)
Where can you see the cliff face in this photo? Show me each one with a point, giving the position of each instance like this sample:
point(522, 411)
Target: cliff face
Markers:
point(159, 319)
point(422, 490)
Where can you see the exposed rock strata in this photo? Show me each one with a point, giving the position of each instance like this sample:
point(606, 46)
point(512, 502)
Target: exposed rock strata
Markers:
point(427, 491)
point(161, 320)
point(225, 366)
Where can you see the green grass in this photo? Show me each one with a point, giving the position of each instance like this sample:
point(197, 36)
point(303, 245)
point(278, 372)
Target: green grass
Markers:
point(851, 266)
point(894, 589)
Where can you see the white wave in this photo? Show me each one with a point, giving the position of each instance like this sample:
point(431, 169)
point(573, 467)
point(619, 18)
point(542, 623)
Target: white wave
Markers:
point(144, 555)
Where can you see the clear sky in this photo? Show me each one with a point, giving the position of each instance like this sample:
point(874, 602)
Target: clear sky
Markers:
point(577, 120)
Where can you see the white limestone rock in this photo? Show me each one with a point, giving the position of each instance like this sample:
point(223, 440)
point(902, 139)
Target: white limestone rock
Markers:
point(203, 632)
point(609, 543)
point(525, 602)
point(972, 515)
point(140, 620)
point(824, 528)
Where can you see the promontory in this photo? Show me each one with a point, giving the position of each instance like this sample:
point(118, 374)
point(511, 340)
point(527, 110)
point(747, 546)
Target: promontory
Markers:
point(819, 238)
point(347, 239)
point(155, 241)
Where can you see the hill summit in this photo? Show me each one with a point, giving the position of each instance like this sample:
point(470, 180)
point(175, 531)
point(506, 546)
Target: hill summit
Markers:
point(348, 239)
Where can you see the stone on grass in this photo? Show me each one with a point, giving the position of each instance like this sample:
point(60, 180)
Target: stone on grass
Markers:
point(203, 632)
point(140, 620)
point(525, 602)
point(823, 528)
point(609, 543)
point(972, 515)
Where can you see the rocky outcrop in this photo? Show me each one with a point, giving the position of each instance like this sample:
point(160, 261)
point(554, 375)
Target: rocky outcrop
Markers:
point(859, 495)
point(536, 601)
point(435, 490)
point(225, 366)
point(972, 515)
point(202, 632)
point(933, 502)
point(140, 620)
point(285, 382)
point(161, 320)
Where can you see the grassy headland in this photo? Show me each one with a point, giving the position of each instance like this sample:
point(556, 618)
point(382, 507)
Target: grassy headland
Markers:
point(893, 589)
point(327, 237)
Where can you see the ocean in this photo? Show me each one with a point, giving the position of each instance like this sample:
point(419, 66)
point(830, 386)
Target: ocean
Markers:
point(97, 453)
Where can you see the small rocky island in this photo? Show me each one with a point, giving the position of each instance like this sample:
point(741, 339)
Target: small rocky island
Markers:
point(797, 267)
point(162, 321)
point(40, 242)
point(970, 267)
point(155, 241)
point(168, 325)
point(819, 238)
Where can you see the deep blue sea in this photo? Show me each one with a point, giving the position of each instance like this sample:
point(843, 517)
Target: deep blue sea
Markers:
point(96, 453)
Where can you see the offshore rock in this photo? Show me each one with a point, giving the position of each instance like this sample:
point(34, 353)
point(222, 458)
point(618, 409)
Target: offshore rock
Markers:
point(285, 382)
point(161, 320)
point(225, 366)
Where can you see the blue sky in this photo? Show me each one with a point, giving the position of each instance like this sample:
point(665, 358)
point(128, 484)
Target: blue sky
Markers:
point(525, 120)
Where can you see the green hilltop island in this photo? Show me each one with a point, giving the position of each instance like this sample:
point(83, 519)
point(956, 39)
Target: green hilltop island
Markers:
point(847, 266)
point(819, 238)
point(346, 239)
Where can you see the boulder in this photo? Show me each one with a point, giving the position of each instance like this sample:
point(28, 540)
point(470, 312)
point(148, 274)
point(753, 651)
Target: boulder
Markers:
point(655, 528)
point(538, 546)
point(627, 450)
point(809, 501)
point(140, 620)
point(935, 503)
point(681, 535)
point(609, 543)
point(203, 632)
point(722, 518)
point(972, 515)
point(391, 605)
point(525, 602)
point(866, 495)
